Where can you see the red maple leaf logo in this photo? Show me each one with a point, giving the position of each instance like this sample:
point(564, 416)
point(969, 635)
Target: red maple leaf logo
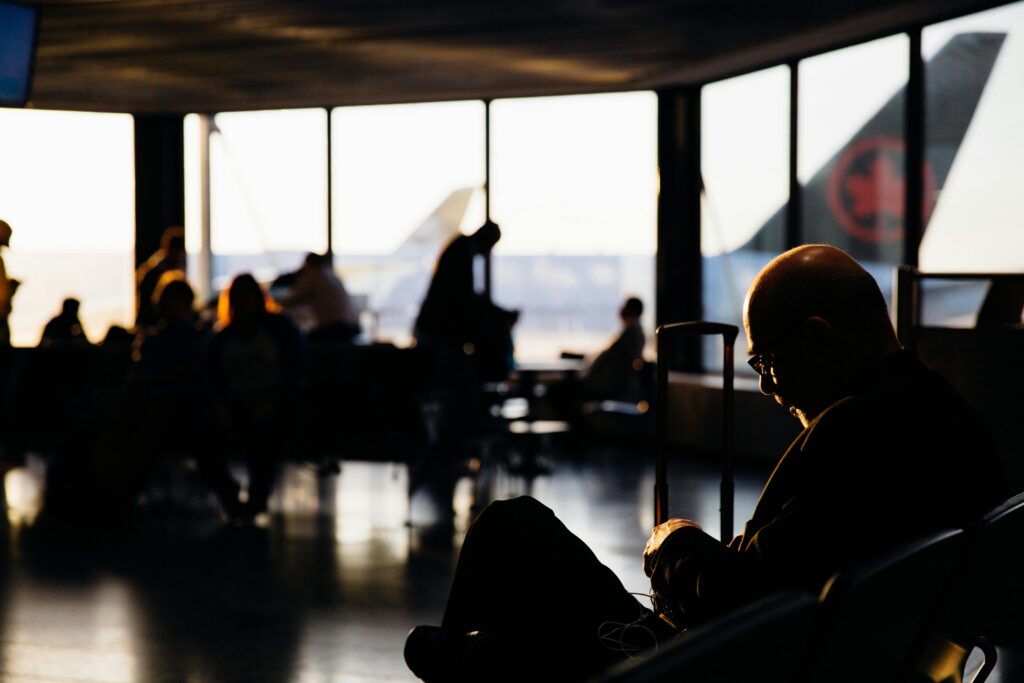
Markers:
point(877, 193)
point(866, 189)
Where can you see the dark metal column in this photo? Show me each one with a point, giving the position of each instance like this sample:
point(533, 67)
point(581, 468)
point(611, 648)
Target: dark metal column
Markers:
point(914, 132)
point(487, 160)
point(159, 179)
point(678, 268)
point(794, 207)
point(487, 190)
point(330, 186)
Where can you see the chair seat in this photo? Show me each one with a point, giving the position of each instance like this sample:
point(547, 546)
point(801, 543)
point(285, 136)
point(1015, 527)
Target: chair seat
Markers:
point(764, 641)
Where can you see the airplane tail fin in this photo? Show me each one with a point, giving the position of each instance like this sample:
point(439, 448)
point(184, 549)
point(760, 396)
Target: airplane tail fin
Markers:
point(440, 226)
point(855, 201)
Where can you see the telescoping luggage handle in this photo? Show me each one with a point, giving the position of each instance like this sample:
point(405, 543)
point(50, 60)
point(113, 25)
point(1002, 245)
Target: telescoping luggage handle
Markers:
point(695, 328)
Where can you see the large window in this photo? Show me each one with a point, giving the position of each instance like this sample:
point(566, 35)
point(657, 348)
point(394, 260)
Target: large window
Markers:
point(975, 143)
point(975, 138)
point(574, 188)
point(66, 189)
point(745, 167)
point(406, 180)
point(851, 151)
point(268, 190)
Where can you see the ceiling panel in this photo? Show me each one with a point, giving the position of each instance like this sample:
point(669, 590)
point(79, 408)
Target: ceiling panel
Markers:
point(219, 55)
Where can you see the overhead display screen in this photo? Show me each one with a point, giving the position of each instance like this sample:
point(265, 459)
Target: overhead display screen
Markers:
point(17, 50)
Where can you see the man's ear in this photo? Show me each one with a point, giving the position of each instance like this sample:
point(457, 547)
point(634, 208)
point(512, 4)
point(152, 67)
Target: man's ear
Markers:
point(819, 331)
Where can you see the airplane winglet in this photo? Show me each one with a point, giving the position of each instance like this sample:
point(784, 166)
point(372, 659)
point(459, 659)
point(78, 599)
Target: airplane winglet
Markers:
point(440, 226)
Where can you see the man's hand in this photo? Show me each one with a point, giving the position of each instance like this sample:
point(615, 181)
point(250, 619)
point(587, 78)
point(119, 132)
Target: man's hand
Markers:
point(658, 536)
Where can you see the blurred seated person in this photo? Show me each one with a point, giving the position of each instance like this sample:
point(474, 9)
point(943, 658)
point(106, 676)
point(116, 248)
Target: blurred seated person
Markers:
point(457, 316)
point(171, 256)
point(319, 289)
point(173, 348)
point(256, 362)
point(1003, 304)
point(171, 388)
point(117, 337)
point(65, 329)
point(615, 372)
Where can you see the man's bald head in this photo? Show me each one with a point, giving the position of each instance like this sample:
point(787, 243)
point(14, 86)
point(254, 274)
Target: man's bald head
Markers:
point(820, 297)
point(815, 280)
point(5, 233)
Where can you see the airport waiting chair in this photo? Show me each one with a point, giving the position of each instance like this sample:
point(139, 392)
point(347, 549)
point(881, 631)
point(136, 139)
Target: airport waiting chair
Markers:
point(874, 617)
point(988, 607)
point(764, 641)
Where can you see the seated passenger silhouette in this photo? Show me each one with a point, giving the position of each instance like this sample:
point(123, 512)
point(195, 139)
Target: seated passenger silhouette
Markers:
point(117, 337)
point(457, 315)
point(889, 452)
point(1002, 305)
point(170, 381)
point(256, 361)
point(171, 256)
point(319, 289)
point(615, 372)
point(65, 329)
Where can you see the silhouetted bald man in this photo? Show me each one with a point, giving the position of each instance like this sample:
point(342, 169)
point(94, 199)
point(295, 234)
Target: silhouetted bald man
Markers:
point(889, 452)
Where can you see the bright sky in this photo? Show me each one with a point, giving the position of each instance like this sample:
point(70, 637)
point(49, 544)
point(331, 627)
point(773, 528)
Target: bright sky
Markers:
point(269, 181)
point(576, 175)
point(744, 158)
point(67, 185)
point(979, 220)
point(393, 165)
point(67, 180)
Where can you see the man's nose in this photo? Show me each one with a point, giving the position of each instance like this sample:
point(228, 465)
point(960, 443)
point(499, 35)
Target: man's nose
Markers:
point(766, 383)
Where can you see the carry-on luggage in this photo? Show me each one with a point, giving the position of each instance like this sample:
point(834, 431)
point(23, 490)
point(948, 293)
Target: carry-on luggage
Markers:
point(665, 334)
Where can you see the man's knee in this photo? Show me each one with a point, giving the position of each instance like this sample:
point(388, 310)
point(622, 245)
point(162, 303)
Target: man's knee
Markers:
point(513, 513)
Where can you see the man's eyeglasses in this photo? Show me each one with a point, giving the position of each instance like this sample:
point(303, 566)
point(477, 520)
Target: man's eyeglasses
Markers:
point(762, 363)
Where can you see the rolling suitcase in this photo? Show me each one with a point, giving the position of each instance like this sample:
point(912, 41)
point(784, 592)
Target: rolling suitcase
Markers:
point(665, 334)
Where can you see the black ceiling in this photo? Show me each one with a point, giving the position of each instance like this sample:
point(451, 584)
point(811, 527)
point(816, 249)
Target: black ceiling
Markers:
point(218, 55)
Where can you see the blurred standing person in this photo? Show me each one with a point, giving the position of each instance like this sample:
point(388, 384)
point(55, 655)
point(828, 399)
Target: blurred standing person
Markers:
point(318, 287)
point(457, 315)
point(256, 363)
point(7, 289)
point(7, 286)
point(468, 340)
point(170, 256)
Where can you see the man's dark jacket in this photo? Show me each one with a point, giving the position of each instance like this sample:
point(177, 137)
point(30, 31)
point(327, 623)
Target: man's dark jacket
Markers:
point(900, 457)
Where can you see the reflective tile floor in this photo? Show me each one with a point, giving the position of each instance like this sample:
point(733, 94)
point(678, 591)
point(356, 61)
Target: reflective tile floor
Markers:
point(323, 591)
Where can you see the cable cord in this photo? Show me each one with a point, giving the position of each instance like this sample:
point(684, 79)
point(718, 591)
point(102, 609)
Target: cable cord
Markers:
point(621, 637)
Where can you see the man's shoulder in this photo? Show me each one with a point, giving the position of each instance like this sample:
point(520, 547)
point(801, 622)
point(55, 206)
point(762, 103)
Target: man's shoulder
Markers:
point(905, 405)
